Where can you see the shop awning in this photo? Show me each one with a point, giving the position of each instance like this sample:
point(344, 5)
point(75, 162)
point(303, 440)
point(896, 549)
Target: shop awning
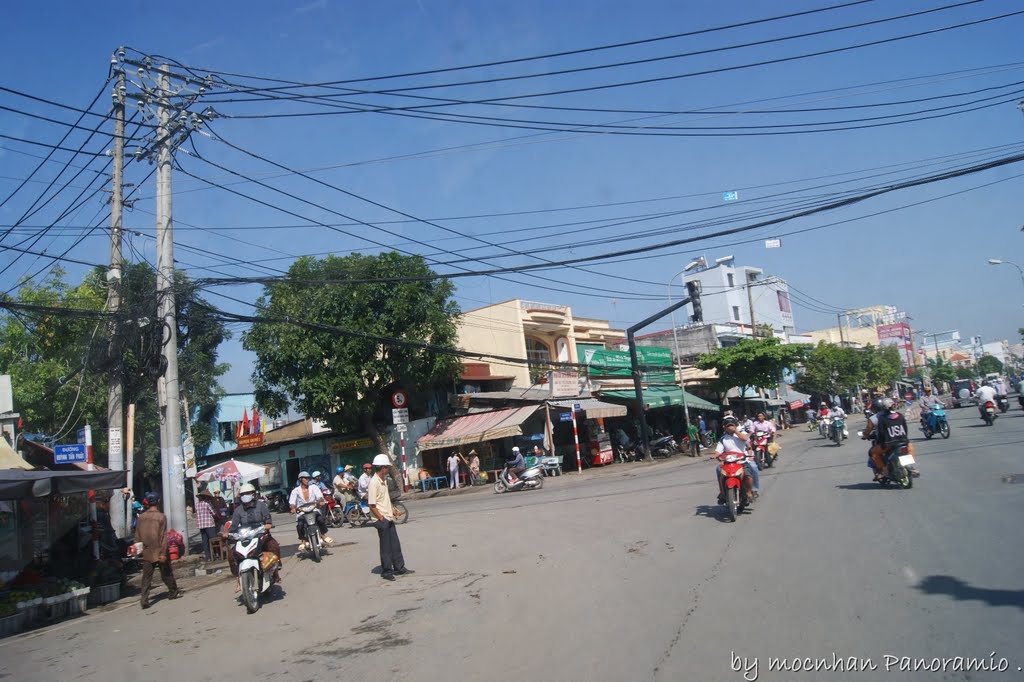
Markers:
point(9, 459)
point(594, 409)
point(16, 484)
point(663, 396)
point(475, 428)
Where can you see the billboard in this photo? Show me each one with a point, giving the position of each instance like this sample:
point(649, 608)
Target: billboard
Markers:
point(615, 363)
point(900, 336)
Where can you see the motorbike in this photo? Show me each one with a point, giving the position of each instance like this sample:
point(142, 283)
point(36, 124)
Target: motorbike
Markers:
point(897, 459)
point(989, 413)
point(357, 512)
point(312, 531)
point(936, 424)
point(837, 430)
point(1004, 403)
point(333, 514)
point(277, 501)
point(532, 478)
point(823, 427)
point(733, 474)
point(664, 446)
point(256, 569)
point(763, 458)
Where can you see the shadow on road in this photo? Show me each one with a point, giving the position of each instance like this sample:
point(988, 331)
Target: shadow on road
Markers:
point(958, 589)
point(717, 512)
point(864, 485)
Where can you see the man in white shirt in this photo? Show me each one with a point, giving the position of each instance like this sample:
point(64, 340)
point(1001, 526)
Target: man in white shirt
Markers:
point(363, 486)
point(392, 562)
point(453, 471)
point(985, 394)
point(735, 442)
point(304, 493)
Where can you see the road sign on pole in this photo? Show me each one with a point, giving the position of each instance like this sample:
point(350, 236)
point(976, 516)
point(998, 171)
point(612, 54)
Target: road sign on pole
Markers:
point(69, 454)
point(401, 428)
point(400, 416)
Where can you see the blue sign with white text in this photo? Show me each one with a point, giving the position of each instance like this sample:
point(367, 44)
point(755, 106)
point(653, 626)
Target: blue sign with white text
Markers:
point(730, 196)
point(565, 416)
point(69, 454)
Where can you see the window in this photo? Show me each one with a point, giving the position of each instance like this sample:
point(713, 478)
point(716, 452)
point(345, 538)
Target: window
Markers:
point(226, 431)
point(730, 279)
point(538, 355)
point(736, 313)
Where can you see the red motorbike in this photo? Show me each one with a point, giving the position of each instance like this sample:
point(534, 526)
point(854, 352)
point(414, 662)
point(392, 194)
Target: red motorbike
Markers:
point(989, 413)
point(333, 513)
point(735, 481)
point(763, 458)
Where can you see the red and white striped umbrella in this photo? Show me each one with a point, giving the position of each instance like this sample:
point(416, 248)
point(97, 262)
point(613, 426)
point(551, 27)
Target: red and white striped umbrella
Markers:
point(232, 472)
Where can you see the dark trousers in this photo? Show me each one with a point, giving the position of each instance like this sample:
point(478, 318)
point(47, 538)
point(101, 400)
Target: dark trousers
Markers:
point(208, 534)
point(300, 526)
point(391, 558)
point(166, 574)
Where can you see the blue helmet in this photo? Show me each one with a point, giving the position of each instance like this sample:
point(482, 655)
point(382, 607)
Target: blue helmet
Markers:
point(339, 470)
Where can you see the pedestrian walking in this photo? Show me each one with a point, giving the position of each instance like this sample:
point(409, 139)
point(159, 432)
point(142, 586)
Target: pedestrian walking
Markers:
point(392, 562)
point(206, 519)
point(693, 434)
point(151, 531)
point(453, 471)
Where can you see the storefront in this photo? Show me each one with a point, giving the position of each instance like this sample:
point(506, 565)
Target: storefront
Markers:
point(592, 428)
point(492, 433)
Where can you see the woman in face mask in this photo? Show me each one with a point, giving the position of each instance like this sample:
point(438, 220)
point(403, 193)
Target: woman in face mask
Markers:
point(253, 512)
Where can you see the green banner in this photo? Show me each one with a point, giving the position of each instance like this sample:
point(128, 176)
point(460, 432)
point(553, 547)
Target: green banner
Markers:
point(615, 363)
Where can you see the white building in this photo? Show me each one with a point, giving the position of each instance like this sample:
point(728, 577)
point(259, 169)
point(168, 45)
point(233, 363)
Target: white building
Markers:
point(728, 290)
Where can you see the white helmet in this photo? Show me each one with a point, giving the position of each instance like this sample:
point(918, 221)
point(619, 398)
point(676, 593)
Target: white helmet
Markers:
point(381, 461)
point(247, 488)
point(317, 474)
point(515, 448)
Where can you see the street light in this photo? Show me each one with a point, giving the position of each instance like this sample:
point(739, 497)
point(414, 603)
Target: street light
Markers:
point(999, 261)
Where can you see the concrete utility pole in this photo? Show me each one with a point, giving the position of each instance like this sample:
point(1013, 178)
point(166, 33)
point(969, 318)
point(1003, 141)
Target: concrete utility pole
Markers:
point(750, 304)
point(115, 388)
point(839, 322)
point(171, 460)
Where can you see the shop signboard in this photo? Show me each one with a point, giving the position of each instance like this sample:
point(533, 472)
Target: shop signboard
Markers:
point(249, 440)
point(616, 363)
point(564, 384)
point(350, 444)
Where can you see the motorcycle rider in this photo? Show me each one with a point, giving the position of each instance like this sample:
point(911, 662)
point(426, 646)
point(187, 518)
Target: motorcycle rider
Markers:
point(254, 512)
point(823, 410)
point(764, 425)
point(837, 412)
point(735, 441)
point(344, 480)
point(881, 438)
point(363, 486)
point(320, 484)
point(746, 424)
point(926, 402)
point(303, 494)
point(984, 395)
point(516, 465)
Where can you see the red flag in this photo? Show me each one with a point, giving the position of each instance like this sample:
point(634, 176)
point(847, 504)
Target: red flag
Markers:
point(255, 420)
point(243, 426)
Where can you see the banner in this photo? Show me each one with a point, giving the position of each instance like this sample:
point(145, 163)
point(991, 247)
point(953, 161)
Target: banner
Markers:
point(616, 363)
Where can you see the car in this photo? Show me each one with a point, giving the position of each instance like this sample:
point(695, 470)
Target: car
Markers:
point(963, 385)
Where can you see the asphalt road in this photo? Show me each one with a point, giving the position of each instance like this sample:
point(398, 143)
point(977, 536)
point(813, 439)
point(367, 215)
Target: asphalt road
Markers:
point(632, 573)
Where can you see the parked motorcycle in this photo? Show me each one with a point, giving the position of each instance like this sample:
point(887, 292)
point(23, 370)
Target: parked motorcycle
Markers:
point(988, 414)
point(936, 423)
point(763, 458)
point(664, 446)
point(532, 478)
point(837, 430)
point(312, 538)
point(897, 459)
point(256, 569)
point(357, 512)
point(733, 474)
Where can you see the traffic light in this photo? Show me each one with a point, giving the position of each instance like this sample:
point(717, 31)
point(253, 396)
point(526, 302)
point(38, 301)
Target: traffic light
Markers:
point(693, 291)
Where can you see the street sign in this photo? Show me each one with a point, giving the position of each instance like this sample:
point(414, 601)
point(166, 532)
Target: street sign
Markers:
point(399, 399)
point(84, 435)
point(565, 416)
point(400, 416)
point(730, 196)
point(69, 454)
point(772, 243)
point(114, 442)
point(402, 428)
point(576, 407)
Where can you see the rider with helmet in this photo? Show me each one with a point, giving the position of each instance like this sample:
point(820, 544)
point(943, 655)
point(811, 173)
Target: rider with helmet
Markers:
point(927, 401)
point(886, 427)
point(985, 394)
point(516, 465)
point(344, 480)
point(735, 441)
point(254, 512)
point(319, 483)
point(305, 493)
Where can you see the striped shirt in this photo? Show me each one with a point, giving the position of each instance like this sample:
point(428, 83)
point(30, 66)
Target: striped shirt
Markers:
point(204, 514)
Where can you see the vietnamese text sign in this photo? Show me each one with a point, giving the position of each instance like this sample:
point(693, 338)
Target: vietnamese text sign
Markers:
point(730, 196)
point(114, 441)
point(616, 363)
point(400, 416)
point(69, 454)
point(565, 416)
point(564, 384)
point(249, 440)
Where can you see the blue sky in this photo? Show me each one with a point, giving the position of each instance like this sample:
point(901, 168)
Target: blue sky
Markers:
point(929, 259)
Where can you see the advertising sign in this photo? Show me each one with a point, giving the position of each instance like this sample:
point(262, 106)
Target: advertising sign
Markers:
point(564, 384)
point(615, 363)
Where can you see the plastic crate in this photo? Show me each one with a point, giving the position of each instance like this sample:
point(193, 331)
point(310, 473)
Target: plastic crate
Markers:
point(13, 624)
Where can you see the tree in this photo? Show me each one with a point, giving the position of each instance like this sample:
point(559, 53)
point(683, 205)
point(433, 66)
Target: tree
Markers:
point(964, 373)
point(751, 363)
point(987, 364)
point(941, 370)
point(882, 365)
point(60, 361)
point(340, 376)
point(831, 370)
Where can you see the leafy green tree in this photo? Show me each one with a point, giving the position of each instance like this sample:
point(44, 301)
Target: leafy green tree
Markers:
point(832, 370)
point(964, 372)
point(988, 364)
point(941, 370)
point(882, 365)
point(343, 378)
point(60, 362)
point(751, 363)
